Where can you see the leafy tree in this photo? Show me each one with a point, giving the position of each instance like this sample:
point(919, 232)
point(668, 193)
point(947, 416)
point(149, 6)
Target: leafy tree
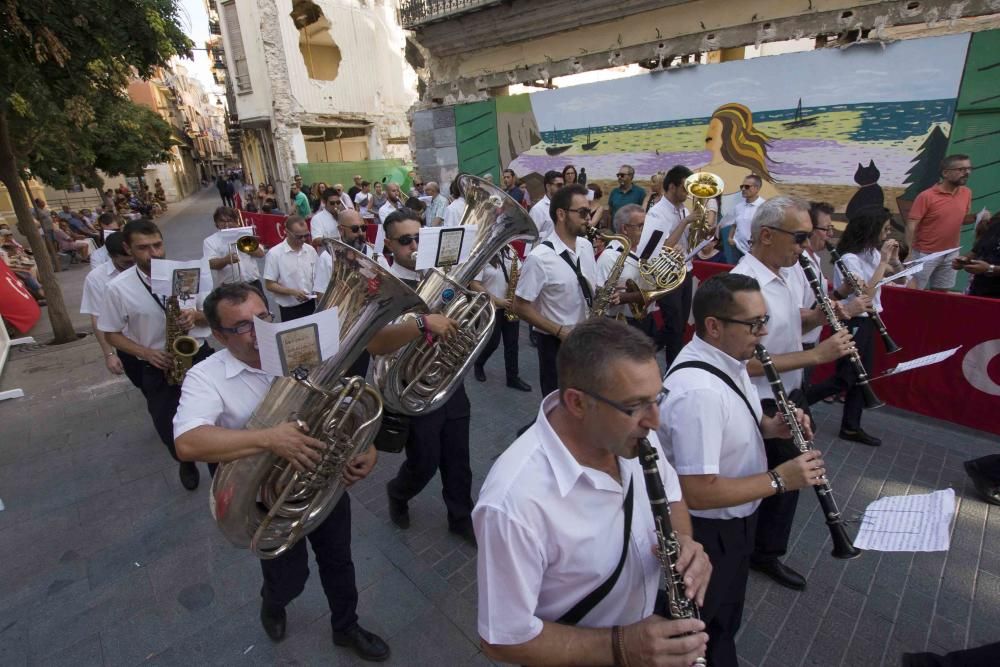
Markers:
point(62, 65)
point(926, 167)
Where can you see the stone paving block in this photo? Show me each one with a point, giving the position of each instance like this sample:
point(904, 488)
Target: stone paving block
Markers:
point(753, 645)
point(949, 636)
point(989, 561)
point(397, 601)
point(431, 639)
point(84, 653)
point(917, 608)
point(883, 601)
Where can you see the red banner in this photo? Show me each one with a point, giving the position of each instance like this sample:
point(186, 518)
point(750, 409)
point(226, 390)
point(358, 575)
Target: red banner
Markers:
point(964, 389)
point(270, 228)
point(17, 306)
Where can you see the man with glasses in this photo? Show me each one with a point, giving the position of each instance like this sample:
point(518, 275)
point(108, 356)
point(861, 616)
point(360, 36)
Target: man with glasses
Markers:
point(439, 439)
point(780, 231)
point(934, 223)
point(626, 192)
point(556, 287)
point(564, 516)
point(228, 263)
point(217, 400)
point(323, 224)
point(629, 223)
point(740, 218)
point(540, 212)
point(289, 271)
point(713, 428)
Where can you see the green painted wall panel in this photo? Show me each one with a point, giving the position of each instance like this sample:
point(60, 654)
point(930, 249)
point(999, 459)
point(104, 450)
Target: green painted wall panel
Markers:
point(476, 135)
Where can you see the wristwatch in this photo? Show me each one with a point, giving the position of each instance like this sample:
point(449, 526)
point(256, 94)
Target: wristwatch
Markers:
point(777, 483)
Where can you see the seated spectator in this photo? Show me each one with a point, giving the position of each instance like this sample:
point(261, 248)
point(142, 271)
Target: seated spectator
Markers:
point(271, 208)
point(23, 266)
point(4, 227)
point(82, 227)
point(68, 243)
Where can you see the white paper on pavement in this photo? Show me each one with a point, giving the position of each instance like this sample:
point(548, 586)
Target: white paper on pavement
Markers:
point(933, 255)
point(162, 277)
point(908, 523)
point(920, 362)
point(909, 271)
point(430, 242)
point(270, 340)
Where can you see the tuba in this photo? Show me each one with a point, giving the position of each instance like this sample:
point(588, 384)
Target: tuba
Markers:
point(419, 377)
point(702, 186)
point(260, 502)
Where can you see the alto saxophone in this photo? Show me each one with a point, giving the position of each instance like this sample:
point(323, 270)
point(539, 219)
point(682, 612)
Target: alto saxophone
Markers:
point(602, 299)
point(180, 346)
point(515, 274)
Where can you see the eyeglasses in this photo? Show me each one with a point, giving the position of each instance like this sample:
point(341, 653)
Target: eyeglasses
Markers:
point(407, 239)
point(756, 326)
point(825, 230)
point(745, 186)
point(799, 237)
point(244, 327)
point(583, 212)
point(628, 410)
point(968, 169)
point(623, 174)
point(356, 228)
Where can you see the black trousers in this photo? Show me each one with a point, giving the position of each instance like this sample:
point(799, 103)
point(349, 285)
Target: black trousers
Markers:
point(776, 513)
point(548, 373)
point(285, 576)
point(645, 325)
point(675, 308)
point(845, 377)
point(360, 366)
point(162, 398)
point(304, 309)
point(132, 367)
point(439, 440)
point(987, 655)
point(509, 331)
point(728, 543)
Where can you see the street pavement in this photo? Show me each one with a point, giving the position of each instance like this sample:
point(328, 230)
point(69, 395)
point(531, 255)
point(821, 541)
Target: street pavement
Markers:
point(106, 560)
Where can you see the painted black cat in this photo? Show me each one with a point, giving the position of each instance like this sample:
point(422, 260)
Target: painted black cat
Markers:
point(869, 194)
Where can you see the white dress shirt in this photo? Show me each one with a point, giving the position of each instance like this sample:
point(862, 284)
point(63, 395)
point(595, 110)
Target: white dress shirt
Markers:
point(539, 213)
point(345, 199)
point(665, 216)
point(453, 213)
point(363, 201)
point(494, 279)
point(324, 269)
point(863, 265)
point(323, 225)
point(99, 256)
point(408, 276)
point(220, 391)
point(95, 285)
point(129, 308)
point(388, 208)
point(551, 285)
point(742, 216)
point(291, 269)
point(606, 263)
point(812, 336)
point(215, 246)
point(550, 531)
point(705, 427)
point(784, 295)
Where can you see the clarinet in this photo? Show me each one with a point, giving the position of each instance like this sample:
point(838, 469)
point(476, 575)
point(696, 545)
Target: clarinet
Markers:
point(667, 546)
point(823, 301)
point(890, 344)
point(842, 546)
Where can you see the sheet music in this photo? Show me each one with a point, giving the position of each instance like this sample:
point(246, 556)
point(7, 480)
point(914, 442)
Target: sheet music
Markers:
point(982, 215)
point(698, 248)
point(931, 256)
point(268, 334)
point(908, 523)
point(162, 277)
point(916, 268)
point(235, 234)
point(920, 362)
point(430, 241)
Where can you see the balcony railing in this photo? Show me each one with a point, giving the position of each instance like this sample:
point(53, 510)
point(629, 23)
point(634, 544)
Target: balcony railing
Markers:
point(414, 13)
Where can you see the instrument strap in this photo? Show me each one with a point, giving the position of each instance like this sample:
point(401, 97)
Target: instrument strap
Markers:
point(722, 376)
point(584, 606)
point(632, 255)
point(506, 278)
point(150, 290)
point(588, 296)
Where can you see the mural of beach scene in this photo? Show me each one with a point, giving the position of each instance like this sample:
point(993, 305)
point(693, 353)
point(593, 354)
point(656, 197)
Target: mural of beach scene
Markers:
point(817, 124)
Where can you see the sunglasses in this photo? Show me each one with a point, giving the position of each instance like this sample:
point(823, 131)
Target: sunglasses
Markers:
point(622, 175)
point(756, 326)
point(798, 237)
point(407, 239)
point(355, 228)
point(747, 187)
point(583, 212)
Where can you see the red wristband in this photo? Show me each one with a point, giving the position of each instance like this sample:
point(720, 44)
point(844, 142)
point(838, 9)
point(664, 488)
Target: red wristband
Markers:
point(426, 330)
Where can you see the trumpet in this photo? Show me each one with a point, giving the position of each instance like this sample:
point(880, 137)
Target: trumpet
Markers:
point(246, 244)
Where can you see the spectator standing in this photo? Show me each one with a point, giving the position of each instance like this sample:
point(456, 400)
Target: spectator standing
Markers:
point(358, 186)
point(983, 263)
point(363, 202)
point(511, 188)
point(740, 218)
point(626, 192)
point(438, 206)
point(300, 202)
point(226, 191)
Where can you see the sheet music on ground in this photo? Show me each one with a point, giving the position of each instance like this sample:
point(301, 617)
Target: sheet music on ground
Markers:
point(908, 523)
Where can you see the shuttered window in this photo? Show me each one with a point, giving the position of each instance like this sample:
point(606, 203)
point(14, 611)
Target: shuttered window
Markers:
point(237, 54)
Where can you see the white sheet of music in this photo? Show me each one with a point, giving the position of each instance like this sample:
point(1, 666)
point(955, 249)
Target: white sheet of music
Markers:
point(270, 340)
point(909, 271)
point(908, 523)
point(931, 256)
point(920, 362)
point(698, 248)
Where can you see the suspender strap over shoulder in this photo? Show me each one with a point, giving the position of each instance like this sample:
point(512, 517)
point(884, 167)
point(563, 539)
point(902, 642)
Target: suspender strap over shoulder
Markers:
point(709, 368)
point(588, 296)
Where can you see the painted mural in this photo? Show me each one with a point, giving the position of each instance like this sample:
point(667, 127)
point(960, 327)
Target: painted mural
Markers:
point(867, 122)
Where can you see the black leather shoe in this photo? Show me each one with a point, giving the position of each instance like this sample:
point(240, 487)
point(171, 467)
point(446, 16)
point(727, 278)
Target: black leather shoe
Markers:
point(780, 573)
point(860, 436)
point(985, 486)
point(273, 619)
point(480, 373)
point(465, 531)
point(399, 512)
point(189, 475)
point(519, 384)
point(368, 645)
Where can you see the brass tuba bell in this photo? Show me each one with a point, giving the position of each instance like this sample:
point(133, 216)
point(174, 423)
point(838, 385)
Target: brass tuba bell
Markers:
point(702, 186)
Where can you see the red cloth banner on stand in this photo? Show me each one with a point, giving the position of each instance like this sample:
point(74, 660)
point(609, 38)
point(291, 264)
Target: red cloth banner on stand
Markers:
point(270, 228)
point(964, 389)
point(17, 306)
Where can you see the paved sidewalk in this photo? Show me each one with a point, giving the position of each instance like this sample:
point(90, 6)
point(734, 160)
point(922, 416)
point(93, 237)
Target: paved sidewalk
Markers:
point(106, 560)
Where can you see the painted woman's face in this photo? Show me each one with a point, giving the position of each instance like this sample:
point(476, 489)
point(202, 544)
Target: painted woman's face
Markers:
point(713, 136)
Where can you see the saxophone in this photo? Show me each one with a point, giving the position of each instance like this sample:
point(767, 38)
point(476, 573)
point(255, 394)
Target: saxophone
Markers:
point(180, 346)
point(515, 274)
point(602, 299)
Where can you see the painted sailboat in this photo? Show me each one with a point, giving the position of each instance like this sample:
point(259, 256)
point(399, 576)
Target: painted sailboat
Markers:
point(799, 121)
point(557, 150)
point(590, 145)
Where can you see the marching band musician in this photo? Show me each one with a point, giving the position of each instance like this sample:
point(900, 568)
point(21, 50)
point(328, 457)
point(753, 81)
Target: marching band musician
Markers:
point(218, 399)
point(556, 287)
point(780, 229)
point(541, 213)
point(439, 439)
point(566, 570)
point(495, 281)
point(223, 257)
point(134, 321)
point(713, 429)
point(628, 222)
point(289, 268)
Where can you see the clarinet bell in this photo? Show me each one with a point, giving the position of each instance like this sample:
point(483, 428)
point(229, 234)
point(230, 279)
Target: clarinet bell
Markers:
point(871, 400)
point(890, 344)
point(843, 549)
